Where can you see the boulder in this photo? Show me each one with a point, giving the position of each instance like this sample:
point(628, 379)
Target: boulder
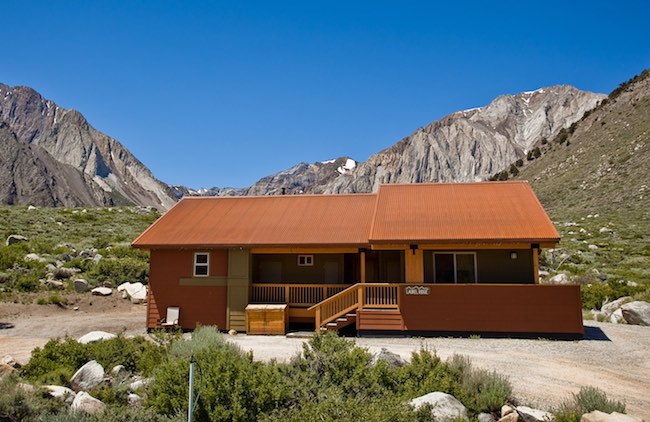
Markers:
point(64, 272)
point(5, 370)
point(80, 285)
point(31, 208)
point(609, 307)
point(85, 403)
point(54, 284)
point(604, 230)
point(593, 247)
point(636, 313)
point(139, 296)
point(617, 317)
point(34, 257)
point(62, 393)
point(510, 417)
point(98, 257)
point(102, 291)
point(232, 332)
point(88, 376)
point(136, 385)
point(95, 336)
point(133, 399)
point(486, 417)
point(506, 409)
point(598, 416)
point(119, 371)
point(9, 360)
point(444, 407)
point(559, 279)
point(15, 238)
point(385, 355)
point(122, 287)
point(529, 414)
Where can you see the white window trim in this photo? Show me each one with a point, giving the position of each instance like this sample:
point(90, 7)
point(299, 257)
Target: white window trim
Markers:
point(454, 253)
point(309, 260)
point(207, 265)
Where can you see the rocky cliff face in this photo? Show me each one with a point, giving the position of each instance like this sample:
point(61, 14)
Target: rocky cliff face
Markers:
point(75, 164)
point(473, 144)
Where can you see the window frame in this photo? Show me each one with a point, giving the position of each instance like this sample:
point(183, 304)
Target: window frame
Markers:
point(454, 253)
point(308, 260)
point(201, 264)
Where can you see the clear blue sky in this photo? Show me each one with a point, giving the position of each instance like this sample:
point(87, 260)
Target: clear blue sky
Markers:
point(222, 93)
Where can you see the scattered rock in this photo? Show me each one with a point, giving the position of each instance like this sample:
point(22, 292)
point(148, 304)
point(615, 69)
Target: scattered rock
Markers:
point(559, 279)
point(27, 388)
point(609, 307)
point(598, 416)
point(385, 355)
point(31, 208)
point(593, 247)
point(98, 257)
point(84, 402)
point(617, 317)
point(528, 414)
point(9, 360)
point(88, 253)
point(76, 308)
point(486, 417)
point(637, 313)
point(506, 409)
point(136, 385)
point(543, 273)
point(62, 393)
point(119, 371)
point(88, 376)
point(122, 286)
point(95, 336)
point(133, 399)
point(604, 230)
point(632, 283)
point(5, 370)
point(102, 291)
point(53, 284)
point(64, 272)
point(232, 332)
point(445, 407)
point(510, 417)
point(34, 257)
point(15, 238)
point(80, 285)
point(137, 292)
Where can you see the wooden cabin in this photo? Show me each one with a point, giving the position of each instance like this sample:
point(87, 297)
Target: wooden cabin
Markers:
point(417, 258)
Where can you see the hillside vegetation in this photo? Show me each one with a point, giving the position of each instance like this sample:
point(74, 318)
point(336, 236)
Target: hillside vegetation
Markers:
point(63, 244)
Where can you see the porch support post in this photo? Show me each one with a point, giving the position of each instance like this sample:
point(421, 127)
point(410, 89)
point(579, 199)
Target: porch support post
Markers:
point(536, 265)
point(362, 266)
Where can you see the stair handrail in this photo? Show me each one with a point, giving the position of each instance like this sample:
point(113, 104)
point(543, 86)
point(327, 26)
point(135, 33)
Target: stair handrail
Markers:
point(354, 289)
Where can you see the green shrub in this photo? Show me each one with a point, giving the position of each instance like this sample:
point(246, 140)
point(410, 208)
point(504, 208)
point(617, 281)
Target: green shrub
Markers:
point(120, 270)
point(19, 405)
point(587, 400)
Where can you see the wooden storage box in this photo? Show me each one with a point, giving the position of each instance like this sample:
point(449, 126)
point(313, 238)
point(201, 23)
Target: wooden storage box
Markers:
point(267, 319)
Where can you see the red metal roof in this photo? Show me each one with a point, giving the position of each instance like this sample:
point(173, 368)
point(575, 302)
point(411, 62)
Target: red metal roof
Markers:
point(460, 212)
point(264, 221)
point(415, 213)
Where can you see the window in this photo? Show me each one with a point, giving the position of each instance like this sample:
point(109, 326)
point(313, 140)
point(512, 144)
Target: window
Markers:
point(305, 260)
point(201, 264)
point(454, 267)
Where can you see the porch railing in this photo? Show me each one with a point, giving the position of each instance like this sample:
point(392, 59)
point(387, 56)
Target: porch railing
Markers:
point(296, 295)
point(374, 295)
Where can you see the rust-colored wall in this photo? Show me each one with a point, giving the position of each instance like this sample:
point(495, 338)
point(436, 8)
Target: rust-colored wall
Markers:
point(492, 308)
point(204, 304)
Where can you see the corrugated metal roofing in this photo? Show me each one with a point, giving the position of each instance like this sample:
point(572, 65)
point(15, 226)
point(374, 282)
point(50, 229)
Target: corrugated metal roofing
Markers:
point(264, 221)
point(416, 213)
point(460, 212)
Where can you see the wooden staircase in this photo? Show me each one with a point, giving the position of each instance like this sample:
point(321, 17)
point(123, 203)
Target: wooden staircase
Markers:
point(340, 322)
point(341, 310)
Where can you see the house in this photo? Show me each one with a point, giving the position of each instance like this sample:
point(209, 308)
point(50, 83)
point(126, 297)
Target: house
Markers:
point(448, 257)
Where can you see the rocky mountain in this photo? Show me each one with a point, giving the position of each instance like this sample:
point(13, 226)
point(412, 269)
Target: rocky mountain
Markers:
point(53, 157)
point(464, 146)
point(601, 163)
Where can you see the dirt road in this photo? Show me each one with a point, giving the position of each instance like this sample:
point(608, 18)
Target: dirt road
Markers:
point(614, 358)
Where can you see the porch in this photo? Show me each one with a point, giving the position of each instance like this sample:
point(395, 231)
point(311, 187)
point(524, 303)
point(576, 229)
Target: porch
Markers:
point(400, 307)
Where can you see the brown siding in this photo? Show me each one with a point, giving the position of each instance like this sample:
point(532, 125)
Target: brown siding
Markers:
point(491, 309)
point(380, 320)
point(199, 304)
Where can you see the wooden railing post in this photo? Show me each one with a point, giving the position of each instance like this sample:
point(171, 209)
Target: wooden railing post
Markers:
point(360, 297)
point(287, 294)
point(317, 322)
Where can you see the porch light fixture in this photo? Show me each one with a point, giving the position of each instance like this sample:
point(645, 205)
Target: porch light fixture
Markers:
point(513, 255)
